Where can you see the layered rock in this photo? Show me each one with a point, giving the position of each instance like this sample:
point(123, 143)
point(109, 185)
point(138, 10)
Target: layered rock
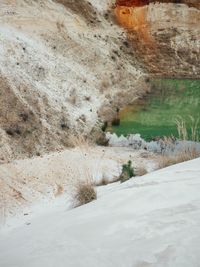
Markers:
point(64, 66)
point(165, 36)
point(134, 3)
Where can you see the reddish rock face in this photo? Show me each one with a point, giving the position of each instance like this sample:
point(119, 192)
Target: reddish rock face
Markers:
point(132, 3)
point(137, 3)
point(164, 38)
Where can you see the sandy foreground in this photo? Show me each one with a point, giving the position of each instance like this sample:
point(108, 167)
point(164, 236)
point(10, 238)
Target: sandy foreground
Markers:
point(41, 179)
point(149, 221)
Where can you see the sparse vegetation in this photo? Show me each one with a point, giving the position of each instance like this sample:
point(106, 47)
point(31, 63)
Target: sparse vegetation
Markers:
point(184, 155)
point(105, 84)
point(81, 141)
point(59, 190)
point(87, 98)
point(13, 130)
point(85, 193)
point(24, 116)
point(82, 185)
point(101, 140)
point(127, 172)
point(60, 25)
point(103, 181)
point(140, 171)
point(73, 98)
point(190, 131)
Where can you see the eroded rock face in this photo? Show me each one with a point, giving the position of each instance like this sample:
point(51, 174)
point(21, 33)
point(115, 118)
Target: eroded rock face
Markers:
point(64, 65)
point(136, 3)
point(132, 3)
point(165, 37)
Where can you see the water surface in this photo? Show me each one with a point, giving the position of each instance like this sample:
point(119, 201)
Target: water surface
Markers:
point(155, 115)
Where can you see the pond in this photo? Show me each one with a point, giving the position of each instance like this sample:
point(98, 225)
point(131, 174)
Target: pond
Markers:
point(157, 113)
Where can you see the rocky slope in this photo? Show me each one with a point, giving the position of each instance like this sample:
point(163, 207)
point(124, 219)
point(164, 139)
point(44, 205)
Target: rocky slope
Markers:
point(164, 35)
point(64, 65)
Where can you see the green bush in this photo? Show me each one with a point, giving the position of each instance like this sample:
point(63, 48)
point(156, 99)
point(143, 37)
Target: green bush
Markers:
point(127, 172)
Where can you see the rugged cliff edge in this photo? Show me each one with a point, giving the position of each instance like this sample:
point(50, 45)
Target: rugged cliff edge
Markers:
point(164, 35)
point(64, 66)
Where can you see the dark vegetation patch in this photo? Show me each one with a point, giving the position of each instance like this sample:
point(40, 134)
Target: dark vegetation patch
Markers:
point(127, 172)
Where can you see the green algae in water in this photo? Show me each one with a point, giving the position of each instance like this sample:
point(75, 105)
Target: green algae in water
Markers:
point(155, 115)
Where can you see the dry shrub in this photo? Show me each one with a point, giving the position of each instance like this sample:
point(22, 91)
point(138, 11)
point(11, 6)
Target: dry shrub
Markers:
point(182, 129)
point(101, 140)
point(107, 113)
point(85, 193)
point(188, 155)
point(140, 171)
point(145, 155)
point(81, 141)
point(59, 190)
point(72, 98)
point(185, 155)
point(165, 161)
point(184, 133)
point(103, 181)
point(105, 84)
point(60, 25)
point(82, 187)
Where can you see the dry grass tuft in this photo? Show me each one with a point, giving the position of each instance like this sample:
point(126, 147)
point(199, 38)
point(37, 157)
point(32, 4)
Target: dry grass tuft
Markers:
point(104, 86)
point(85, 193)
point(59, 190)
point(165, 161)
point(183, 156)
point(80, 141)
point(104, 181)
point(72, 98)
point(188, 155)
point(140, 171)
point(184, 133)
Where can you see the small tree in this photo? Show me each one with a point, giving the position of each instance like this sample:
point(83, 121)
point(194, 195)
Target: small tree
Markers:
point(127, 172)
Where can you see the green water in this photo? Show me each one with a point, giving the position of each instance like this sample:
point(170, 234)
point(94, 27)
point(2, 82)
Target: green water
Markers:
point(155, 115)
